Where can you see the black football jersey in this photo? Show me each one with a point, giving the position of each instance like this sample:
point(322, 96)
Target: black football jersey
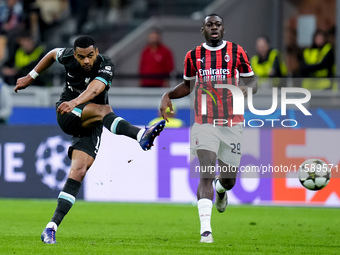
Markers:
point(77, 79)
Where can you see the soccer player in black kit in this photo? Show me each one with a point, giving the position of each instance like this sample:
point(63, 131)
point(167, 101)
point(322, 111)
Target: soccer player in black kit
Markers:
point(82, 111)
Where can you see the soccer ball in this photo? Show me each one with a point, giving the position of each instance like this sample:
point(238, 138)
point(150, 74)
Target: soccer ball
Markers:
point(314, 174)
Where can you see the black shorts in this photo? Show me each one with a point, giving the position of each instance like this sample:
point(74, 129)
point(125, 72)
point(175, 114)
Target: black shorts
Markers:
point(83, 139)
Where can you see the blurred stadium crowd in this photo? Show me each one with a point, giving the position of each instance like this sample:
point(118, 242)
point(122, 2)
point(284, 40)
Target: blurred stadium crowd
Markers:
point(30, 28)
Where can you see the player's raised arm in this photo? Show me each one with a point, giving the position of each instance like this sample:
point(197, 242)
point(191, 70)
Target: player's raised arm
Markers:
point(43, 64)
point(248, 82)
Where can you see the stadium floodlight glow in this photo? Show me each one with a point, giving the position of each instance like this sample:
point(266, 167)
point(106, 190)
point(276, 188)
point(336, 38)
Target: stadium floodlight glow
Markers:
point(238, 100)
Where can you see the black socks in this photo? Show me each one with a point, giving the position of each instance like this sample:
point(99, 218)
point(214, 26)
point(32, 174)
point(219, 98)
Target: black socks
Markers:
point(119, 126)
point(66, 199)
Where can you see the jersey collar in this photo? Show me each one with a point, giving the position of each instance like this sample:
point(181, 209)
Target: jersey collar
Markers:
point(215, 48)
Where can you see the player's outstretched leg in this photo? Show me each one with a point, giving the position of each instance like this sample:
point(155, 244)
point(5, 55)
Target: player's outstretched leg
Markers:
point(150, 134)
point(48, 235)
point(221, 200)
point(145, 137)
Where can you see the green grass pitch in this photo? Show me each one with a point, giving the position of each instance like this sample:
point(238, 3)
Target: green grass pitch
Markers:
point(137, 228)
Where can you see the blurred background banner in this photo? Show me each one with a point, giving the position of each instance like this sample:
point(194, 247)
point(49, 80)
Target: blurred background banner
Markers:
point(34, 163)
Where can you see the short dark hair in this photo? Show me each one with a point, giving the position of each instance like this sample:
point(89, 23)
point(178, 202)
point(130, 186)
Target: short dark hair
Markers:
point(211, 15)
point(84, 42)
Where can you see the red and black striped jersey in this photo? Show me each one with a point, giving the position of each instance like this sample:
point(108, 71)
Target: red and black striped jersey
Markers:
point(223, 64)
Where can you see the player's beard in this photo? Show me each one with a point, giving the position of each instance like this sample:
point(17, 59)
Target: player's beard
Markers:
point(90, 67)
point(87, 68)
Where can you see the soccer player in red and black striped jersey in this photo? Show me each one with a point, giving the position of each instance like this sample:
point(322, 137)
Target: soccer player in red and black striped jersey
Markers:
point(217, 131)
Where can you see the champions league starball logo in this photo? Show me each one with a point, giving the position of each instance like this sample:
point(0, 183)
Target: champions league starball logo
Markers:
point(238, 105)
point(52, 162)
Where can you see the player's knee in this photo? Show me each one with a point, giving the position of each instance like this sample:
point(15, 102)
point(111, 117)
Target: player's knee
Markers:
point(228, 183)
point(104, 109)
point(93, 113)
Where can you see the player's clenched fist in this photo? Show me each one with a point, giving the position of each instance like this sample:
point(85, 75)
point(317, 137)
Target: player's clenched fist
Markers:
point(23, 83)
point(66, 107)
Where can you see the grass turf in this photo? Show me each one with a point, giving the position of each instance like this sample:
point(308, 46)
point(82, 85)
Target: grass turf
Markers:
point(129, 228)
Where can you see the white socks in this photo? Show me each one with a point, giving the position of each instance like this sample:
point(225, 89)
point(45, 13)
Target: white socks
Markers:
point(140, 134)
point(52, 225)
point(204, 206)
point(219, 188)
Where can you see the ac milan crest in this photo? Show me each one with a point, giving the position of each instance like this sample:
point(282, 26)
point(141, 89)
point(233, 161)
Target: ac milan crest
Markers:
point(226, 58)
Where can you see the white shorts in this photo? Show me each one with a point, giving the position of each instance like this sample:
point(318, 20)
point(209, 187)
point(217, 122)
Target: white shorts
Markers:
point(224, 141)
